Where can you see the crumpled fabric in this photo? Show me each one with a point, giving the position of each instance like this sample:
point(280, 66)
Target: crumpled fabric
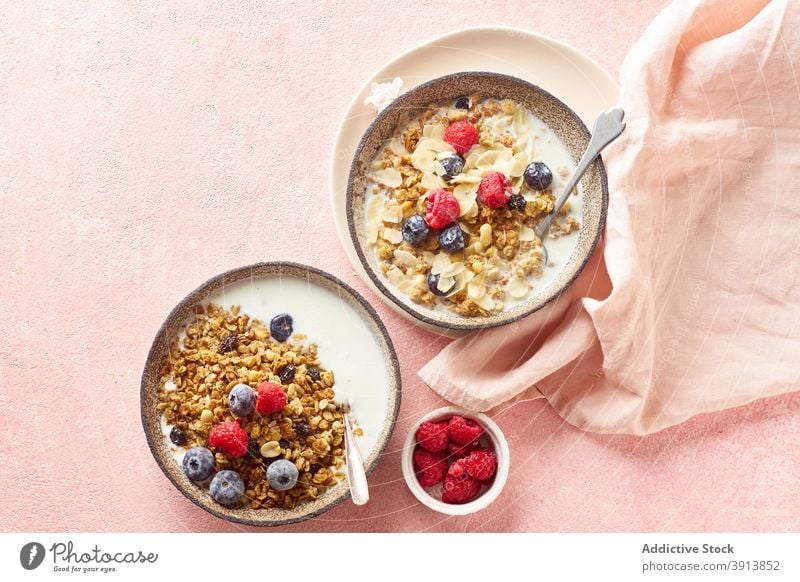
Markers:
point(692, 304)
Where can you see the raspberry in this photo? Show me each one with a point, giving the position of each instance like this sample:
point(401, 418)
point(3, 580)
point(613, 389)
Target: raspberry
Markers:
point(230, 438)
point(462, 135)
point(433, 436)
point(464, 430)
point(455, 452)
point(460, 489)
point(431, 467)
point(457, 469)
point(480, 465)
point(495, 190)
point(271, 398)
point(442, 209)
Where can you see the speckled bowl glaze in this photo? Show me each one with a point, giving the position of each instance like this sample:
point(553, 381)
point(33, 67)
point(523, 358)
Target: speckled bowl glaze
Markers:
point(562, 120)
point(157, 359)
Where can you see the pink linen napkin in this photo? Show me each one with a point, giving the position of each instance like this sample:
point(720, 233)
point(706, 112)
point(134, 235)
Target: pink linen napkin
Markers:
point(693, 303)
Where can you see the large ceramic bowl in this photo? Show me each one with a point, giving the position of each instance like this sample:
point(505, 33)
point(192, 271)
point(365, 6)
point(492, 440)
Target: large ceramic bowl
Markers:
point(352, 342)
point(567, 126)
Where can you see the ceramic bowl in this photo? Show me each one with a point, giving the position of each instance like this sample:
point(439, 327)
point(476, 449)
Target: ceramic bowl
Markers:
point(493, 438)
point(352, 342)
point(567, 126)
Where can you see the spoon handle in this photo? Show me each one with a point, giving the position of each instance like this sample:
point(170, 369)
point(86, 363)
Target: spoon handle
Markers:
point(355, 466)
point(607, 128)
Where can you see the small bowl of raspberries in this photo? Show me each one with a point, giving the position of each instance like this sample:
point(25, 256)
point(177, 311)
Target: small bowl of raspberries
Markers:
point(455, 461)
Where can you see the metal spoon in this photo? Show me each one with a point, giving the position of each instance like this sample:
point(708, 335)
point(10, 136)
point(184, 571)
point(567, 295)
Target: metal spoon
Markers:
point(356, 476)
point(607, 128)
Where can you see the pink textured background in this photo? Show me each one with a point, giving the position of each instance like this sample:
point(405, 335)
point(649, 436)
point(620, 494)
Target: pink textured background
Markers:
point(143, 150)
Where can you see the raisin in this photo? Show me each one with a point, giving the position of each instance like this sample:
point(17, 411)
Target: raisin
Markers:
point(231, 342)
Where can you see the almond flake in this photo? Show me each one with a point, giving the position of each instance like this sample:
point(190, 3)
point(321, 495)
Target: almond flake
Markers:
point(445, 283)
point(406, 258)
point(392, 214)
point(424, 160)
point(453, 270)
point(526, 234)
point(399, 279)
point(374, 207)
point(397, 146)
point(493, 274)
point(518, 288)
point(431, 181)
point(389, 177)
point(433, 131)
point(462, 280)
point(463, 191)
point(393, 236)
point(521, 121)
point(518, 164)
point(440, 263)
point(496, 261)
point(467, 178)
point(468, 207)
point(486, 302)
point(476, 289)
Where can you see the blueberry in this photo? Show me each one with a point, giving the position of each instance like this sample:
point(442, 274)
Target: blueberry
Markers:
point(198, 463)
point(227, 488)
point(538, 176)
point(313, 373)
point(452, 166)
point(452, 239)
point(287, 373)
point(241, 400)
point(302, 429)
point(229, 343)
point(517, 202)
point(282, 475)
point(462, 102)
point(433, 282)
point(177, 436)
point(281, 327)
point(415, 230)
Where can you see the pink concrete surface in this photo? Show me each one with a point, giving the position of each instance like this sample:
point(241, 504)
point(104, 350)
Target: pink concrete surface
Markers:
point(144, 149)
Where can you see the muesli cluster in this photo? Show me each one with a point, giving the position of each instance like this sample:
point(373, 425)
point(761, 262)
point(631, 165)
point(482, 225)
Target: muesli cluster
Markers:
point(453, 203)
point(254, 410)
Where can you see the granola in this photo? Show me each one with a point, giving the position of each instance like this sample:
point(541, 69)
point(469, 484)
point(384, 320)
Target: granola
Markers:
point(474, 171)
point(309, 430)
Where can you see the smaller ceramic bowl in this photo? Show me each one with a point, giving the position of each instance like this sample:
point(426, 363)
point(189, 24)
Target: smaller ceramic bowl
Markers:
point(492, 438)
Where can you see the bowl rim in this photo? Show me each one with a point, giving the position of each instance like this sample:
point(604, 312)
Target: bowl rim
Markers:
point(163, 330)
point(470, 324)
point(481, 502)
